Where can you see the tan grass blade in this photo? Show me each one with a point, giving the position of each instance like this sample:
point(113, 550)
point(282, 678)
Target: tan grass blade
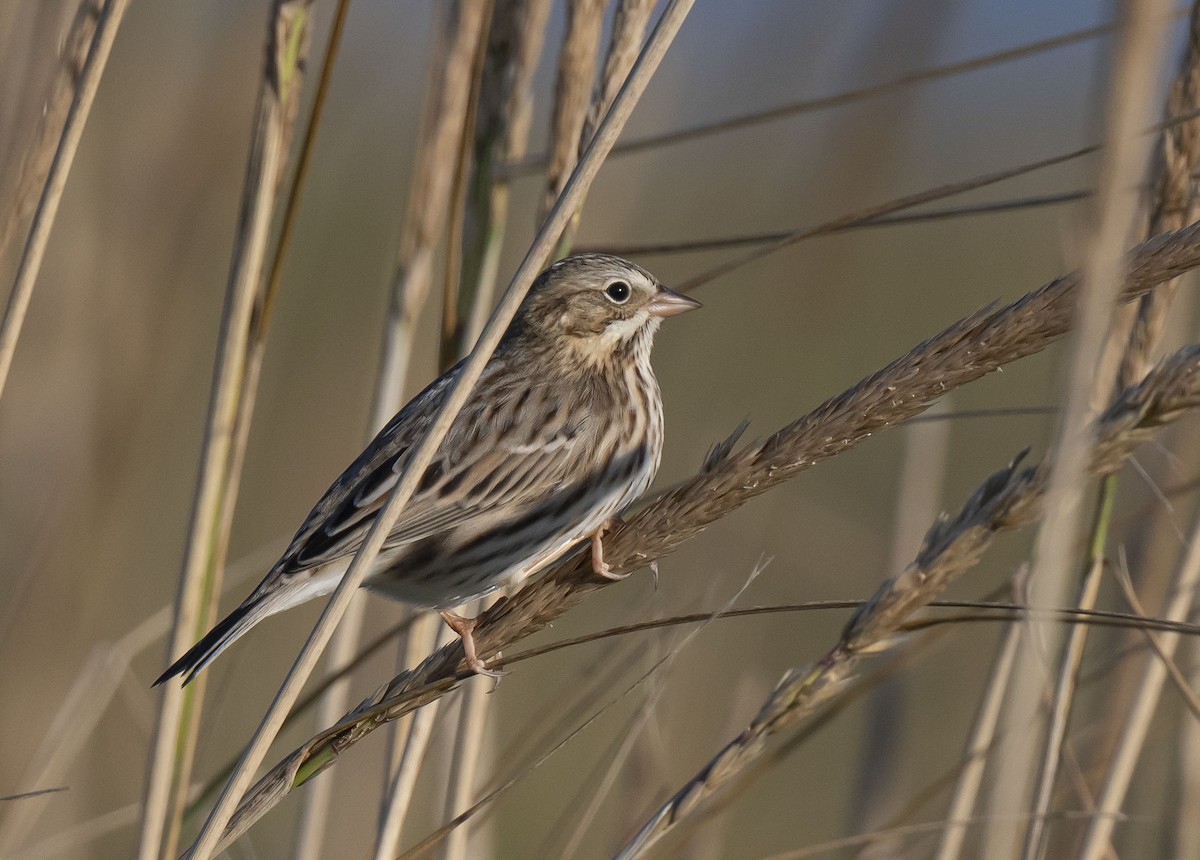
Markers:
point(52, 177)
point(214, 831)
point(219, 472)
point(967, 350)
point(1012, 498)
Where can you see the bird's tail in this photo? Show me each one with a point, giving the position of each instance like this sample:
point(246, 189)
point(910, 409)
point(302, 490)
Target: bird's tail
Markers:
point(227, 630)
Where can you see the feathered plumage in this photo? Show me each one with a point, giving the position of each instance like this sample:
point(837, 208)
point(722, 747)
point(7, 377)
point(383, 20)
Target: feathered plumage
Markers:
point(563, 431)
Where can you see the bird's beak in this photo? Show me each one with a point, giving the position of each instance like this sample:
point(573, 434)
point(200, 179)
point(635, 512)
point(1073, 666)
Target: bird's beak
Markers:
point(668, 303)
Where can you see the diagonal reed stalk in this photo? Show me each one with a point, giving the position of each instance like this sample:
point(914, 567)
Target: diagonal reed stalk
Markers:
point(577, 67)
point(214, 831)
point(965, 351)
point(220, 465)
point(1011, 498)
point(53, 176)
point(1122, 169)
point(444, 121)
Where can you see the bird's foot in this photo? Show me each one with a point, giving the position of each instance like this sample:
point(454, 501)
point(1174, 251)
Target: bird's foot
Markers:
point(599, 565)
point(465, 628)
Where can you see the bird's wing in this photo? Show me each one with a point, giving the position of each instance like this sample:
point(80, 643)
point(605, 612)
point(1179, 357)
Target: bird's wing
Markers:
point(487, 462)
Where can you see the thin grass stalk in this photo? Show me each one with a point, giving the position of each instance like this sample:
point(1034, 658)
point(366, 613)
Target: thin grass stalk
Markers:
point(108, 21)
point(572, 95)
point(1191, 699)
point(264, 302)
point(216, 488)
point(539, 161)
point(501, 134)
point(430, 194)
point(983, 736)
point(398, 793)
point(922, 475)
point(214, 830)
point(311, 823)
point(629, 27)
point(1137, 723)
point(501, 126)
point(963, 352)
point(1012, 498)
point(467, 762)
point(449, 350)
point(464, 748)
point(443, 126)
point(1122, 168)
point(1063, 694)
point(1173, 202)
point(39, 156)
point(1187, 776)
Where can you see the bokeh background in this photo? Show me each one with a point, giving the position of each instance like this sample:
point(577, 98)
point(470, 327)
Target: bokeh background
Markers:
point(102, 419)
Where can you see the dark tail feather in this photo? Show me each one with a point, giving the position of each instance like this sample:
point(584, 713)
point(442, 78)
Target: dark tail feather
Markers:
point(215, 641)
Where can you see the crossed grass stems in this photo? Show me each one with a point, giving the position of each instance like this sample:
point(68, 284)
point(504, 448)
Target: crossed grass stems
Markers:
point(961, 353)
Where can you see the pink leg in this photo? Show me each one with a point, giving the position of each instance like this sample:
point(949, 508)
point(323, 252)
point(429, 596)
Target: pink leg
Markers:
point(465, 628)
point(599, 565)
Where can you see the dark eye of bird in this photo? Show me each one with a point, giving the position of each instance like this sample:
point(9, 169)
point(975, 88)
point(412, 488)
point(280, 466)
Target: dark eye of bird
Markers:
point(618, 291)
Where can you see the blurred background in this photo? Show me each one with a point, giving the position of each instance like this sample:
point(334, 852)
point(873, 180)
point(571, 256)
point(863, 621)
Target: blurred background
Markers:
point(102, 419)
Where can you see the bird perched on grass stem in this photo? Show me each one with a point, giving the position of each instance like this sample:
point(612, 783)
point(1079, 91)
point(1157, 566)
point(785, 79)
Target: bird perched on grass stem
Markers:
point(564, 430)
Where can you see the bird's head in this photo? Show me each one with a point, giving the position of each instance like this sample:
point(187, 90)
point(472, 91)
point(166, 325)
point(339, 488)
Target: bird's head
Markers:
point(597, 305)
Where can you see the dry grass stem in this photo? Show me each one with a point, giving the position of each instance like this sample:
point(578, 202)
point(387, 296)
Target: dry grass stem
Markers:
point(220, 465)
point(628, 30)
point(983, 734)
point(690, 246)
point(1145, 703)
point(629, 27)
point(501, 134)
point(1189, 696)
point(572, 93)
point(52, 178)
point(918, 501)
point(445, 125)
point(409, 746)
point(214, 830)
point(1122, 169)
point(965, 351)
point(1173, 201)
point(442, 125)
point(39, 155)
point(1011, 498)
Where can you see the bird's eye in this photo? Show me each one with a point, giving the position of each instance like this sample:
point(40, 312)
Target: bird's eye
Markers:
point(618, 292)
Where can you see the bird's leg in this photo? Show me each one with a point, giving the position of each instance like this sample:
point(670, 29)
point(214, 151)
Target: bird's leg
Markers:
point(465, 628)
point(599, 565)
